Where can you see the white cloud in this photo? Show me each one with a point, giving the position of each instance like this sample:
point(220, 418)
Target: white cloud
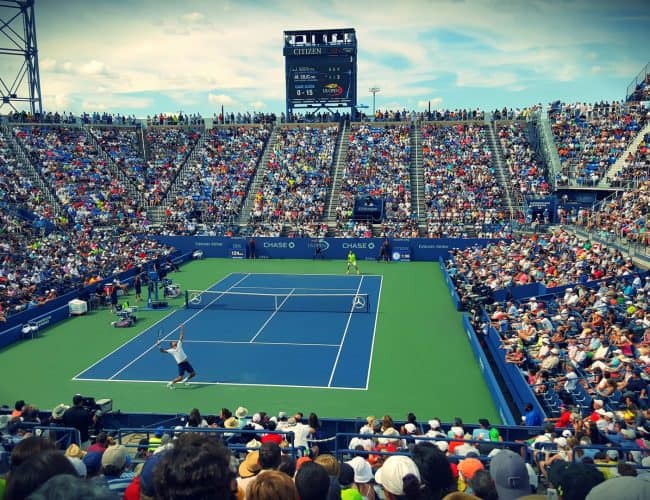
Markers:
point(257, 105)
point(93, 67)
point(220, 99)
point(474, 78)
point(47, 64)
point(56, 102)
point(193, 18)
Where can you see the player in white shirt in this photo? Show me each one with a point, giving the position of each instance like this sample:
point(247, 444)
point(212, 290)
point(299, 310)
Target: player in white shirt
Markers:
point(184, 366)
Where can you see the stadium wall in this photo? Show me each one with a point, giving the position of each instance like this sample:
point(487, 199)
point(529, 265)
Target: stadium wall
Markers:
point(488, 374)
point(402, 249)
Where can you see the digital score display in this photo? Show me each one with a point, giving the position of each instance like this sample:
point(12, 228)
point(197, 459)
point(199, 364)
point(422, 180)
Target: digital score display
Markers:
point(319, 78)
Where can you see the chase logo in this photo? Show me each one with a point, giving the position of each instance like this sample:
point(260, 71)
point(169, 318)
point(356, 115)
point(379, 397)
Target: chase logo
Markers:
point(359, 245)
point(279, 244)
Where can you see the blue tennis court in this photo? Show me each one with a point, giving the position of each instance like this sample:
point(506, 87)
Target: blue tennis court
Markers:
point(261, 329)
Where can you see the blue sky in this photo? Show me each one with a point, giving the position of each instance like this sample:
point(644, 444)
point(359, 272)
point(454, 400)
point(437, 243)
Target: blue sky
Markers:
point(141, 57)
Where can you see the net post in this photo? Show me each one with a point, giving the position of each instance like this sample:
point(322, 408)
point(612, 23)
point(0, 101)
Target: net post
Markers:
point(187, 299)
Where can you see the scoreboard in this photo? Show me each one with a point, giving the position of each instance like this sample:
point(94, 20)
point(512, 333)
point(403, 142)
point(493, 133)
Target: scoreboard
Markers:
point(320, 78)
point(320, 69)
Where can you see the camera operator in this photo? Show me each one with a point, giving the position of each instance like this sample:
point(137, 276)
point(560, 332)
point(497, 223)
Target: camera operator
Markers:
point(80, 418)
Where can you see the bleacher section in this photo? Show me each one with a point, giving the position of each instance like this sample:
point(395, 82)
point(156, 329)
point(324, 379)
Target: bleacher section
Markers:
point(208, 196)
point(294, 190)
point(81, 179)
point(636, 169)
point(19, 195)
point(527, 178)
point(461, 190)
point(590, 137)
point(378, 165)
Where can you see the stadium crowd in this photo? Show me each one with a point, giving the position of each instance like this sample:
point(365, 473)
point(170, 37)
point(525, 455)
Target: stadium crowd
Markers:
point(527, 177)
point(636, 168)
point(591, 137)
point(37, 268)
point(214, 185)
point(252, 460)
point(298, 177)
point(17, 191)
point(552, 259)
point(378, 165)
point(621, 216)
point(71, 166)
point(460, 187)
point(152, 170)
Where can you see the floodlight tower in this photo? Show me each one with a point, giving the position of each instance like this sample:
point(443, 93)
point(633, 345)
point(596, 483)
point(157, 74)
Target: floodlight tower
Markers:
point(373, 91)
point(18, 40)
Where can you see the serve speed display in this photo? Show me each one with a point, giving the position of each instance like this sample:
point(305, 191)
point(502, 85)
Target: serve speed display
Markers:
point(327, 78)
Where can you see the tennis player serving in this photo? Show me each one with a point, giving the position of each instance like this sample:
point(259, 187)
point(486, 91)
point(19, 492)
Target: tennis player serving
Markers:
point(352, 262)
point(184, 366)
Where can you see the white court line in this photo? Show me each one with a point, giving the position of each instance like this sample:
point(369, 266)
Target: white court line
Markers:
point(140, 334)
point(374, 330)
point(345, 333)
point(342, 275)
point(256, 343)
point(271, 316)
point(165, 337)
point(224, 384)
point(296, 288)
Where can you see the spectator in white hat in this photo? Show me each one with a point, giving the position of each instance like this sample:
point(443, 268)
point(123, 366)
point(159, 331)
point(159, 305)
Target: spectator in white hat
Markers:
point(399, 477)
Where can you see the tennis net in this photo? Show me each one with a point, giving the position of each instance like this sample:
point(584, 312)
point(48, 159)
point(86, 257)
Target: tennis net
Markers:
point(284, 302)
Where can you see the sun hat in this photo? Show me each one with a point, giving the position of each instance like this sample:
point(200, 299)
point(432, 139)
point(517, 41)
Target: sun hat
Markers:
point(114, 455)
point(391, 474)
point(362, 470)
point(231, 423)
point(58, 411)
point(250, 466)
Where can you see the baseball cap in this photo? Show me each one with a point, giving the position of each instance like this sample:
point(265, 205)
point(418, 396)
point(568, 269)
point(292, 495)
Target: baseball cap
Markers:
point(362, 470)
point(146, 475)
point(346, 475)
point(622, 488)
point(577, 480)
point(391, 474)
point(93, 461)
point(510, 475)
point(469, 466)
point(115, 456)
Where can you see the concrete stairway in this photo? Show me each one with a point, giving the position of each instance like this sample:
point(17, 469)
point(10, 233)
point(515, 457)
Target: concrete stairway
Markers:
point(256, 182)
point(500, 168)
point(417, 176)
point(337, 176)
